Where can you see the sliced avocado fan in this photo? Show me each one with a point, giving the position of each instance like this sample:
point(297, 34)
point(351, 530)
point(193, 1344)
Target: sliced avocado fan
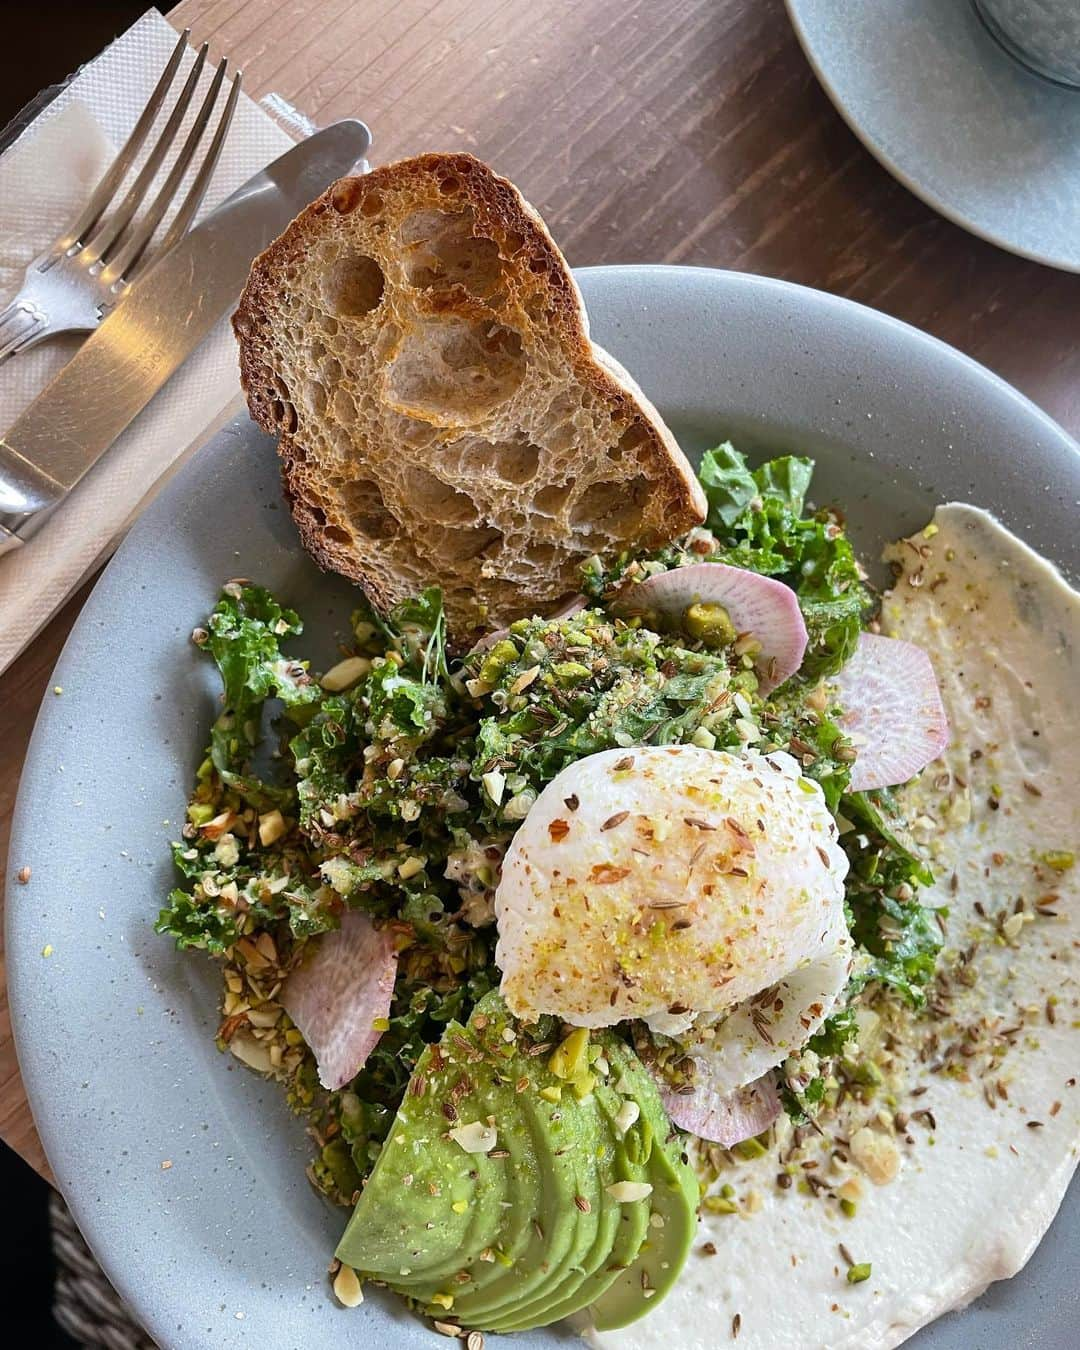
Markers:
point(519, 1185)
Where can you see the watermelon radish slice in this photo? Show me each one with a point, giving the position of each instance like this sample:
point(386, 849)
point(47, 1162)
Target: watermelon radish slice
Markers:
point(336, 996)
point(892, 711)
point(723, 1118)
point(569, 608)
point(760, 606)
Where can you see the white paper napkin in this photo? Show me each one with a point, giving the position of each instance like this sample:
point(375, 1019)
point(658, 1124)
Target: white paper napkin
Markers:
point(45, 178)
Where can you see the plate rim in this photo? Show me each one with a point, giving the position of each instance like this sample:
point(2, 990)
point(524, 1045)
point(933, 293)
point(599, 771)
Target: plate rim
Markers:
point(926, 194)
point(35, 1065)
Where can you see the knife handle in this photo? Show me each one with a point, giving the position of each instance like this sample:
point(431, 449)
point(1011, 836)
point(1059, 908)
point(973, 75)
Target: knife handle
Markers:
point(26, 496)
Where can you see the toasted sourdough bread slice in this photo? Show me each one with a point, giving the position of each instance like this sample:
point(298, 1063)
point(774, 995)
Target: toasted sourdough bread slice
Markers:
point(417, 344)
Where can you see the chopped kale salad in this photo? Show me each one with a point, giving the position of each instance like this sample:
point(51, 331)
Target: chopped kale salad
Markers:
point(395, 804)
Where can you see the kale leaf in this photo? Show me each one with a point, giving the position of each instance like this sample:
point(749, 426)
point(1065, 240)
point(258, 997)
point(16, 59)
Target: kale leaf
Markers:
point(757, 519)
point(194, 923)
point(244, 635)
point(903, 938)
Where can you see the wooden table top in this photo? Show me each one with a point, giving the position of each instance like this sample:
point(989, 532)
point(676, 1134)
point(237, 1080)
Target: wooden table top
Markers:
point(686, 132)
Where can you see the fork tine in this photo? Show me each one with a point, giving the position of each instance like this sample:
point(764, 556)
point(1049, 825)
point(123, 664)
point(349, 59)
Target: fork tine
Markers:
point(183, 218)
point(121, 265)
point(114, 175)
point(110, 231)
point(12, 335)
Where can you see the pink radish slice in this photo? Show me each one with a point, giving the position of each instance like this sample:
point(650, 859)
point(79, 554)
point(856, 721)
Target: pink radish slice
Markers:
point(569, 608)
point(488, 641)
point(566, 610)
point(336, 996)
point(892, 711)
point(761, 606)
point(722, 1118)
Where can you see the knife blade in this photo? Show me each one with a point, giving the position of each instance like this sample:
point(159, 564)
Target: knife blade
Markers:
point(161, 320)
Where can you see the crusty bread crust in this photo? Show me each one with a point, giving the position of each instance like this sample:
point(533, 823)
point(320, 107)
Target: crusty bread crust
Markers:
point(417, 344)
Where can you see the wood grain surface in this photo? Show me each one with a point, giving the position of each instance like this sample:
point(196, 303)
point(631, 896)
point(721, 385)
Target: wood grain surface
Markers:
point(684, 131)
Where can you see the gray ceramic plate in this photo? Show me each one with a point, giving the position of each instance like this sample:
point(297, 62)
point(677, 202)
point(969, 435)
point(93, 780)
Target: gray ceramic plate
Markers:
point(978, 137)
point(229, 1246)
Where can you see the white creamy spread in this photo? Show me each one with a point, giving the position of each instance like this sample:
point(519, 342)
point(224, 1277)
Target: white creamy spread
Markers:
point(973, 1148)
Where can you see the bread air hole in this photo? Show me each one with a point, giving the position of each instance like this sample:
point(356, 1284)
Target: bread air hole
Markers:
point(440, 251)
point(517, 461)
point(410, 430)
point(551, 500)
point(367, 511)
point(610, 507)
point(632, 439)
point(455, 371)
point(514, 461)
point(460, 545)
point(315, 397)
point(436, 501)
point(352, 285)
point(542, 557)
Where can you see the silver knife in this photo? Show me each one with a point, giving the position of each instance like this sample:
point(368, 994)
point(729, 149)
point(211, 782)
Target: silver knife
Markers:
point(159, 323)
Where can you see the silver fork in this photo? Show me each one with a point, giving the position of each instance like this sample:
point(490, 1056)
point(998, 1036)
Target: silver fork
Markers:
point(80, 278)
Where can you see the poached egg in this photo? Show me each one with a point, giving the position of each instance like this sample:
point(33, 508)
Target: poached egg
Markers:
point(676, 884)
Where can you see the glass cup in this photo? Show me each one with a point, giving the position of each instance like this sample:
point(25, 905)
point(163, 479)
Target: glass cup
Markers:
point(1043, 35)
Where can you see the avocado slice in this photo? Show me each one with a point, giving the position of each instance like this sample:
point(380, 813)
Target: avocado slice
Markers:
point(486, 1251)
point(519, 1230)
point(591, 1167)
point(674, 1201)
point(620, 1230)
point(618, 1238)
point(555, 1220)
point(427, 1203)
point(503, 1221)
